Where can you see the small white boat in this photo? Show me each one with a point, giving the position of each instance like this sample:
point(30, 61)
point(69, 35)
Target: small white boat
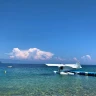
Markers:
point(55, 72)
point(9, 66)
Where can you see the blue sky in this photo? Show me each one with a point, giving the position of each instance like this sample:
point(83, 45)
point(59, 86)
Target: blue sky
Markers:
point(64, 28)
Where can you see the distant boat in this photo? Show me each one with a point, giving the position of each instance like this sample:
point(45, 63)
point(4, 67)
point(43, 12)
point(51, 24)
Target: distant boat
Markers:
point(9, 66)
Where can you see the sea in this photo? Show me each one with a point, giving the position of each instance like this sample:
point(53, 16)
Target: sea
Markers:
point(40, 80)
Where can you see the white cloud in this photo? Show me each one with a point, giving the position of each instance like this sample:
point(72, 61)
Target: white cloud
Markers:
point(86, 57)
point(83, 57)
point(11, 56)
point(75, 59)
point(32, 53)
point(59, 58)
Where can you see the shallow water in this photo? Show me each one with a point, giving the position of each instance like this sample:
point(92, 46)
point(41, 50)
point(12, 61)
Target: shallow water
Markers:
point(39, 80)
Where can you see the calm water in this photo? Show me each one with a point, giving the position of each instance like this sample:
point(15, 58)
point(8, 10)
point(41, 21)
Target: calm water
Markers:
point(39, 80)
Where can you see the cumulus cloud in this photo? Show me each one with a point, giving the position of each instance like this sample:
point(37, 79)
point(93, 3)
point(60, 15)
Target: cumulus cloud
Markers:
point(32, 53)
point(86, 57)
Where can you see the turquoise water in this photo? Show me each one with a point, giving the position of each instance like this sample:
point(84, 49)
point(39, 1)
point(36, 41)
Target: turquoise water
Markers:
point(39, 80)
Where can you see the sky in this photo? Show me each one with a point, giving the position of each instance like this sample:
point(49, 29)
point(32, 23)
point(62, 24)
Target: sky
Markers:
point(48, 30)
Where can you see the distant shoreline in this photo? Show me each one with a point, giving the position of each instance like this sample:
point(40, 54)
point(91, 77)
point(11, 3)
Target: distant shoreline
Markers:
point(43, 64)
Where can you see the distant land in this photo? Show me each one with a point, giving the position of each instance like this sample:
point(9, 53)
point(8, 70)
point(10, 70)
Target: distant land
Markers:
point(4, 61)
point(31, 61)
